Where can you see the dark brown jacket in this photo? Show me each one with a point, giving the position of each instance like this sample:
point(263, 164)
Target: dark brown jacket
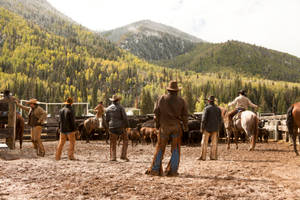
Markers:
point(171, 110)
point(36, 116)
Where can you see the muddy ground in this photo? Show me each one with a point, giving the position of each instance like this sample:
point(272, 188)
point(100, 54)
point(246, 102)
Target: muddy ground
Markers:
point(270, 172)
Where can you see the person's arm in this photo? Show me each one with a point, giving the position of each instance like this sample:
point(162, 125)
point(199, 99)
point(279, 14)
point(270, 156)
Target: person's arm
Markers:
point(156, 112)
point(203, 120)
point(124, 117)
point(23, 107)
point(232, 103)
point(251, 104)
point(72, 119)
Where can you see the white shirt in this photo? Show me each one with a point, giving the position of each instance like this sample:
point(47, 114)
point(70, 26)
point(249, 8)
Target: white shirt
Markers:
point(242, 102)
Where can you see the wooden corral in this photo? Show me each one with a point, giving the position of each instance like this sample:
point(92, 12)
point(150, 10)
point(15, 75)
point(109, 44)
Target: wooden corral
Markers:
point(276, 124)
point(8, 122)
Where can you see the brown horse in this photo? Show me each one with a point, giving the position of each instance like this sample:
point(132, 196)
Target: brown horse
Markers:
point(92, 124)
point(248, 123)
point(228, 128)
point(293, 123)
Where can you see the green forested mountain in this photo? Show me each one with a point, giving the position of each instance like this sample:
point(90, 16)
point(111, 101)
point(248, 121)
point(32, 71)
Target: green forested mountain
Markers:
point(36, 62)
point(41, 13)
point(152, 41)
point(241, 58)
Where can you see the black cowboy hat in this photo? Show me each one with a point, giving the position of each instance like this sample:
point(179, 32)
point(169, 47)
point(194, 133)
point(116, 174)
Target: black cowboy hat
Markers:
point(210, 98)
point(6, 92)
point(242, 92)
point(115, 98)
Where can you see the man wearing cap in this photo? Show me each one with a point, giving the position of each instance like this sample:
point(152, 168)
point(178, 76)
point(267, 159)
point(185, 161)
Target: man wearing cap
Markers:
point(170, 114)
point(36, 117)
point(117, 121)
point(241, 104)
point(67, 127)
point(210, 125)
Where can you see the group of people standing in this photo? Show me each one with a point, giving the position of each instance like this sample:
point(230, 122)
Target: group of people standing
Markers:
point(170, 115)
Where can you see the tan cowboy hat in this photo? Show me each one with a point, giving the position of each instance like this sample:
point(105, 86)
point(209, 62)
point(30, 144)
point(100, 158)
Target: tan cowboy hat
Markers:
point(173, 86)
point(115, 98)
point(32, 101)
point(69, 100)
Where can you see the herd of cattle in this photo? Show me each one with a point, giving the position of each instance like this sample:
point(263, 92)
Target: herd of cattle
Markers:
point(142, 130)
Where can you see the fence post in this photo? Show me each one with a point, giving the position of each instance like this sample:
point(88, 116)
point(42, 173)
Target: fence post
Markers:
point(276, 130)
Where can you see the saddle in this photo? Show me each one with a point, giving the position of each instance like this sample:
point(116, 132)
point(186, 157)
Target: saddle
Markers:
point(236, 120)
point(237, 116)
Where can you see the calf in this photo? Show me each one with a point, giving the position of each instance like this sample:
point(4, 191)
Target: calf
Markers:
point(134, 135)
point(195, 137)
point(149, 134)
point(263, 134)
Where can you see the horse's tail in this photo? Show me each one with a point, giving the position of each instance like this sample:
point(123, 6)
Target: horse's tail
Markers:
point(290, 120)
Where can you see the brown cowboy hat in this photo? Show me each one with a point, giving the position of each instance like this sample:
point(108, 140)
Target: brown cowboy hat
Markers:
point(115, 98)
point(32, 101)
point(173, 86)
point(69, 100)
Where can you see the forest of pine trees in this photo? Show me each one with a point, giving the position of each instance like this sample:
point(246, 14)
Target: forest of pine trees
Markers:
point(35, 63)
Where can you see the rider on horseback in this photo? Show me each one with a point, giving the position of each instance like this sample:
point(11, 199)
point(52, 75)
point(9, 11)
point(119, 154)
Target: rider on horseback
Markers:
point(241, 104)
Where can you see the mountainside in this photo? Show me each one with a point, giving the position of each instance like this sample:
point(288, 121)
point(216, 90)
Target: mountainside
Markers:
point(241, 58)
point(41, 13)
point(37, 63)
point(151, 40)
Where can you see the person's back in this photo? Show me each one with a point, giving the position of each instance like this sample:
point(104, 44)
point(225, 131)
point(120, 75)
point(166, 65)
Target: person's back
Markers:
point(170, 113)
point(210, 125)
point(116, 116)
point(67, 119)
point(212, 118)
point(171, 109)
point(117, 121)
point(67, 129)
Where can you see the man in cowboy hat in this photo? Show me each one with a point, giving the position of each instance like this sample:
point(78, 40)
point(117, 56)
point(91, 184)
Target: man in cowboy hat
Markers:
point(170, 114)
point(36, 117)
point(210, 125)
point(67, 127)
point(241, 104)
point(117, 121)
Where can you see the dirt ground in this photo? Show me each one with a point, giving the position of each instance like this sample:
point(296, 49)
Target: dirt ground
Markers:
point(270, 172)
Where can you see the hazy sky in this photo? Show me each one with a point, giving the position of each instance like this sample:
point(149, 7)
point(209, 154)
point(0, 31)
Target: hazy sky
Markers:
point(274, 24)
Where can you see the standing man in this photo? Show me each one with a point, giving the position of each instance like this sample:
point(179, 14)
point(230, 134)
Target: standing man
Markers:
point(210, 125)
point(67, 127)
point(36, 117)
point(170, 114)
point(117, 121)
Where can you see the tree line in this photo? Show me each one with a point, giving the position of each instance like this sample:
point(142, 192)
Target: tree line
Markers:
point(35, 63)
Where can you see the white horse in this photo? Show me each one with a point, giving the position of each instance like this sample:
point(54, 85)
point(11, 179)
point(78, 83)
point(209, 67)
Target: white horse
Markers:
point(247, 122)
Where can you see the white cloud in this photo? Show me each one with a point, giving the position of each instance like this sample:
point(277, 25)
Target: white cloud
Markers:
point(269, 23)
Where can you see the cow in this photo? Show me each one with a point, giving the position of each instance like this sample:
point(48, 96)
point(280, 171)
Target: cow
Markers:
point(134, 135)
point(149, 134)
